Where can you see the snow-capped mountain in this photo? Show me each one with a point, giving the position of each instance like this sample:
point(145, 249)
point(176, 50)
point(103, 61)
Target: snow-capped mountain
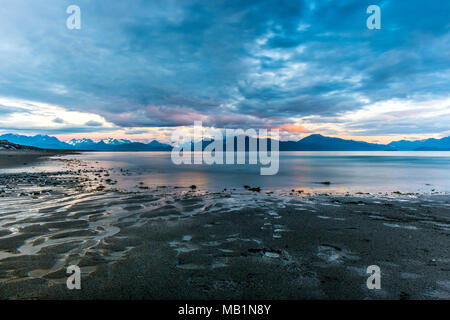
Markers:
point(75, 142)
point(110, 144)
point(115, 142)
point(313, 142)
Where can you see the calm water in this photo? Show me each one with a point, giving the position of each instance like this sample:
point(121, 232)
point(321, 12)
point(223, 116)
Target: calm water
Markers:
point(347, 171)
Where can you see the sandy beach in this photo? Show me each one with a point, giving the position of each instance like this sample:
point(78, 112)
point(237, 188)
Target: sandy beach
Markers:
point(13, 159)
point(184, 242)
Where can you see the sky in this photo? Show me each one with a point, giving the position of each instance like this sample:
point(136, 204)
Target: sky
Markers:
point(140, 69)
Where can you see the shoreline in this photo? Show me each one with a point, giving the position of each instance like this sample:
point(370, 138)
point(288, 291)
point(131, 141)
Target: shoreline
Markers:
point(188, 243)
point(12, 159)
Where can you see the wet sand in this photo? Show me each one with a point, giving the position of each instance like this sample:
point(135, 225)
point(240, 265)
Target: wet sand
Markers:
point(11, 159)
point(177, 242)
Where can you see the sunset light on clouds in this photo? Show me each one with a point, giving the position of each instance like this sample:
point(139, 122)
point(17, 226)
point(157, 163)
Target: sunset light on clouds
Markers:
point(139, 71)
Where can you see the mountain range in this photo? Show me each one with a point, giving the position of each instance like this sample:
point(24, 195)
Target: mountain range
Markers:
point(315, 142)
point(422, 145)
point(48, 142)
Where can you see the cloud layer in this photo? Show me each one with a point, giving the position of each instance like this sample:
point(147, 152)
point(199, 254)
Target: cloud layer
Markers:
point(231, 63)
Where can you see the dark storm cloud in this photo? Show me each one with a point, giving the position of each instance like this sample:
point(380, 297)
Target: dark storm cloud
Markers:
point(237, 63)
